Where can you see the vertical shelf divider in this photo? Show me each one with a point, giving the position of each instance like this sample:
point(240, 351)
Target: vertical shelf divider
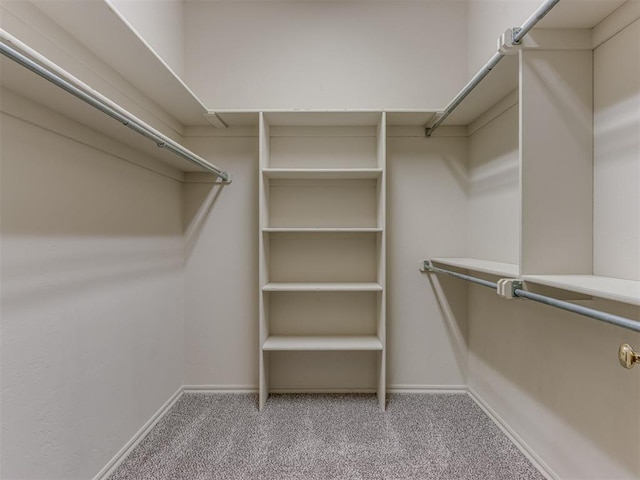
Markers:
point(382, 259)
point(263, 242)
point(556, 148)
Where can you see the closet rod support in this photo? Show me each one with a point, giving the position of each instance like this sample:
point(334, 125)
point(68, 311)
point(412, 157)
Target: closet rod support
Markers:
point(427, 266)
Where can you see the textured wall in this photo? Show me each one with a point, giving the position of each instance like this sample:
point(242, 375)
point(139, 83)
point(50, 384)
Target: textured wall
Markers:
point(329, 54)
point(91, 271)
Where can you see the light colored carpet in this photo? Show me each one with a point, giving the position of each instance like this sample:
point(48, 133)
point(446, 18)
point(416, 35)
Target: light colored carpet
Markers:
point(333, 436)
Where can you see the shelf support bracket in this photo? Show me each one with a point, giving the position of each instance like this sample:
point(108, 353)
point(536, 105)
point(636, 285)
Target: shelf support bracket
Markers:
point(426, 266)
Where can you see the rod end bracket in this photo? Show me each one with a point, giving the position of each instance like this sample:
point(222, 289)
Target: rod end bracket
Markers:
point(507, 44)
point(426, 266)
point(507, 287)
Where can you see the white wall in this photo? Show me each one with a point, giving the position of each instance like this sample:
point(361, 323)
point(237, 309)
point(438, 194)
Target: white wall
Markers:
point(617, 155)
point(221, 283)
point(160, 23)
point(325, 55)
point(426, 217)
point(494, 190)
point(554, 378)
point(91, 270)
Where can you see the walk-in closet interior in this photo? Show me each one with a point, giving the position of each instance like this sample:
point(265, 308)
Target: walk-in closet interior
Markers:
point(311, 239)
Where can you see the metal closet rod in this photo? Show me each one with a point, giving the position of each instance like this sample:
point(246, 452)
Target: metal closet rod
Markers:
point(623, 322)
point(101, 103)
point(518, 34)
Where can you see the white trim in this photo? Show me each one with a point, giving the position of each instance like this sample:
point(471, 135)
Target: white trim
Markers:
point(220, 389)
point(427, 389)
point(397, 388)
point(111, 466)
point(516, 439)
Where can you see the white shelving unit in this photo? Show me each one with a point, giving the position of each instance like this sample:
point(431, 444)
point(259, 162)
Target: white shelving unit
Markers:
point(534, 114)
point(322, 243)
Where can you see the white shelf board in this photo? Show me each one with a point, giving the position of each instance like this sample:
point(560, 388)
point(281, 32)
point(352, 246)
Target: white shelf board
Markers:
point(323, 118)
point(318, 342)
point(396, 117)
point(506, 270)
point(116, 42)
point(323, 287)
point(322, 230)
point(616, 289)
point(322, 173)
point(409, 118)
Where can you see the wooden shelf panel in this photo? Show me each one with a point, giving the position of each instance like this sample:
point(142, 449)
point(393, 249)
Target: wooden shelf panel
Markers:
point(322, 230)
point(321, 343)
point(322, 173)
point(323, 287)
point(509, 270)
point(616, 289)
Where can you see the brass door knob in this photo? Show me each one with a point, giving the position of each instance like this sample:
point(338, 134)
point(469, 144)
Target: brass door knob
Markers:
point(627, 356)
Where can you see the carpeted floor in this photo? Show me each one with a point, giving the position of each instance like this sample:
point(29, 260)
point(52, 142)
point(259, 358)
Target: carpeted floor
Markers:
point(326, 437)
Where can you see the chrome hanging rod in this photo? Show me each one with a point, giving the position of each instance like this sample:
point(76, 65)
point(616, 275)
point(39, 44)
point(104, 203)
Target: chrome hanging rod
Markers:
point(77, 88)
point(623, 322)
point(518, 34)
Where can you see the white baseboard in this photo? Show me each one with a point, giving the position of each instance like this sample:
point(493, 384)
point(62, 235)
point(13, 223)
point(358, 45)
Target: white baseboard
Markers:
point(395, 388)
point(516, 439)
point(110, 467)
point(220, 389)
point(433, 389)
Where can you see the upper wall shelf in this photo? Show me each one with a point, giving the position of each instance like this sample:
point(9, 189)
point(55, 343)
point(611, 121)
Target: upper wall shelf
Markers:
point(314, 118)
point(615, 289)
point(483, 266)
point(112, 39)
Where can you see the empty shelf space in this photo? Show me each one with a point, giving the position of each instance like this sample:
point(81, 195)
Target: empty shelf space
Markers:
point(322, 230)
point(322, 173)
point(616, 289)
point(318, 342)
point(322, 287)
point(510, 270)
